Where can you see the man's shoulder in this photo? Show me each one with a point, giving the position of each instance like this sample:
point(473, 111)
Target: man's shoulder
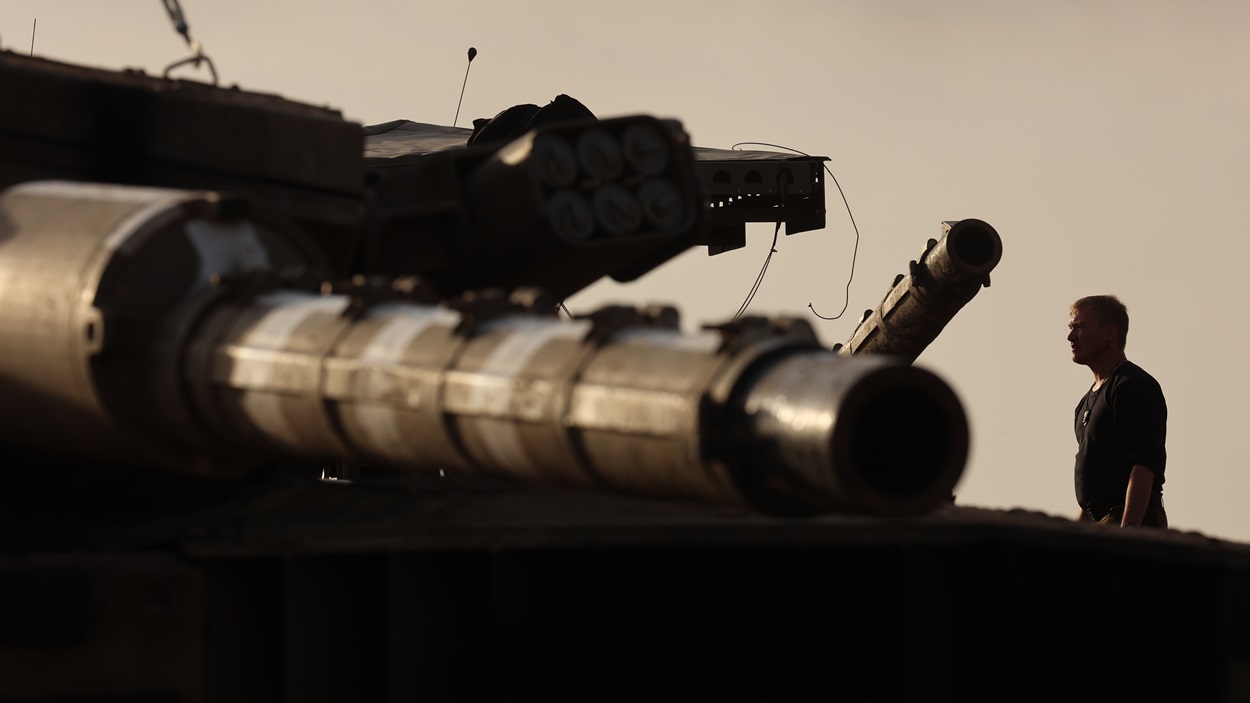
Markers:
point(1133, 378)
point(1132, 370)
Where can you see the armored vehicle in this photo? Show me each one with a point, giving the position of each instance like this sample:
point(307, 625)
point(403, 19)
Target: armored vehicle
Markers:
point(289, 411)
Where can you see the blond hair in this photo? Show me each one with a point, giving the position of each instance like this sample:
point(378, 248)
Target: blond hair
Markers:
point(1109, 311)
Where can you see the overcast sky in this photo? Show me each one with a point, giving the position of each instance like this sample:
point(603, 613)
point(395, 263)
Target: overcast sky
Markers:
point(1108, 142)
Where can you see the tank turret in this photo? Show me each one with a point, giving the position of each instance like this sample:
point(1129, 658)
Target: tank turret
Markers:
point(177, 329)
point(209, 280)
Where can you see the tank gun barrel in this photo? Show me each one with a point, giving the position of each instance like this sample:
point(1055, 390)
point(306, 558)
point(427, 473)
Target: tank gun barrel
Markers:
point(752, 413)
point(920, 303)
point(157, 322)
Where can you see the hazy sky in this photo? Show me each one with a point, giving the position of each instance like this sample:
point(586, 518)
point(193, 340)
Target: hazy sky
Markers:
point(1108, 141)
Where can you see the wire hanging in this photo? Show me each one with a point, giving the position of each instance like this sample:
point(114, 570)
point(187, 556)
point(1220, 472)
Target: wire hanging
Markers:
point(855, 253)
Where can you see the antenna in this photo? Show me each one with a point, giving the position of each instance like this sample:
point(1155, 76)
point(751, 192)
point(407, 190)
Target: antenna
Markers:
point(180, 21)
point(32, 36)
point(197, 52)
point(472, 55)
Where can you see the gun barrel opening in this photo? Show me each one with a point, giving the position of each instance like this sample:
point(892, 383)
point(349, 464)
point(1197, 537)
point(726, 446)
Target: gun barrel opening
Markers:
point(974, 246)
point(869, 434)
point(904, 439)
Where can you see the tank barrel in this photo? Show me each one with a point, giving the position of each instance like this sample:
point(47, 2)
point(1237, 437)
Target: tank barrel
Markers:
point(624, 404)
point(948, 274)
point(172, 338)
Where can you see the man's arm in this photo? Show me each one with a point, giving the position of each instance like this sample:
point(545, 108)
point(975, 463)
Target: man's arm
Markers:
point(1137, 495)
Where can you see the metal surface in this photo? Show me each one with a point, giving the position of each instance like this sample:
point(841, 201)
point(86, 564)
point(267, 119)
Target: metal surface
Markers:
point(101, 627)
point(89, 274)
point(948, 274)
point(754, 186)
point(304, 162)
point(332, 597)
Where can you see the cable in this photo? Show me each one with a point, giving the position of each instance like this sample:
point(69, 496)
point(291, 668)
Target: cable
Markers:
point(772, 249)
point(855, 252)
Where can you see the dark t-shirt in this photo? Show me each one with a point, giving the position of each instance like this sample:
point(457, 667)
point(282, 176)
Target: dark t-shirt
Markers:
point(1118, 426)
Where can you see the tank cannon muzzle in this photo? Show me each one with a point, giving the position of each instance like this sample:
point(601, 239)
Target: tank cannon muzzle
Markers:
point(884, 436)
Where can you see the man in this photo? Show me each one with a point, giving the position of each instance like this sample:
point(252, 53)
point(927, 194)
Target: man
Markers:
point(1121, 423)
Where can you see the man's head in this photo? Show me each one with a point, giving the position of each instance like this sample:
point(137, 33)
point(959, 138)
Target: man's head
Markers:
point(1097, 328)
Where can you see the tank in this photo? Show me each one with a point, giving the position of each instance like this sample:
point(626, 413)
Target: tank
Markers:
point(290, 413)
point(207, 332)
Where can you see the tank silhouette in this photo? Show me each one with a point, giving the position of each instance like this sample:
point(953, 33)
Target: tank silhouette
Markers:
point(288, 413)
point(203, 331)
